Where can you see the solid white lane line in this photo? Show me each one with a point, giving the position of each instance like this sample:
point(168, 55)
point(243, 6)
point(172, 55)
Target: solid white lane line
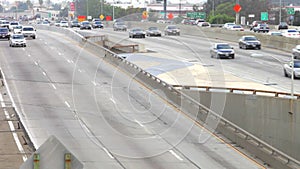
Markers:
point(12, 129)
point(176, 155)
point(53, 86)
point(108, 153)
point(44, 73)
point(67, 104)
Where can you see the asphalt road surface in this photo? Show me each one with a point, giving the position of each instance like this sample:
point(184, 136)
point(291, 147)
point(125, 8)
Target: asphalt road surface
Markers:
point(102, 115)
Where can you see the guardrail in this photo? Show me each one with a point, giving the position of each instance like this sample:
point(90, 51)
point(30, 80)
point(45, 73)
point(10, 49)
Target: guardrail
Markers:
point(239, 90)
point(267, 153)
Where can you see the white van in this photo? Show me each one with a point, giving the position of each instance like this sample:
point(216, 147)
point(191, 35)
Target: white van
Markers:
point(29, 31)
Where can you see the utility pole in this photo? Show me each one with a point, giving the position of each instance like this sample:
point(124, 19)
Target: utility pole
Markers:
point(165, 9)
point(280, 10)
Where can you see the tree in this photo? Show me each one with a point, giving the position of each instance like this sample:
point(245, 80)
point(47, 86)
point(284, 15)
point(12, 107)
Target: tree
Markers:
point(41, 2)
point(29, 4)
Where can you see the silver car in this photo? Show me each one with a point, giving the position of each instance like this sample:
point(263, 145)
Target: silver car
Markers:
point(172, 30)
point(288, 69)
point(17, 40)
point(222, 50)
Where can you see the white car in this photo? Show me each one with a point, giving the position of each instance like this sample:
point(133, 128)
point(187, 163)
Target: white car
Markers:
point(288, 69)
point(236, 28)
point(17, 40)
point(17, 29)
point(228, 25)
point(64, 24)
point(29, 31)
point(12, 25)
point(291, 33)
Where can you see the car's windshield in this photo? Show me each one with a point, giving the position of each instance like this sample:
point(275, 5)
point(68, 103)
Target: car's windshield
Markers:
point(236, 26)
point(250, 38)
point(223, 46)
point(296, 64)
point(85, 23)
point(291, 31)
point(18, 37)
point(14, 23)
point(120, 23)
point(3, 30)
point(137, 29)
point(172, 27)
point(28, 29)
point(153, 28)
point(18, 27)
point(97, 22)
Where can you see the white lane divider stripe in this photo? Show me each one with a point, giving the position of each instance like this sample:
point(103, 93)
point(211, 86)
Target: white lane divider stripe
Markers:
point(94, 83)
point(176, 155)
point(12, 129)
point(67, 104)
point(44, 73)
point(53, 86)
point(80, 70)
point(36, 63)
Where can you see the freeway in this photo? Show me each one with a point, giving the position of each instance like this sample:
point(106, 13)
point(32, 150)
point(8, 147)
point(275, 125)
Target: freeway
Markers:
point(263, 66)
point(103, 115)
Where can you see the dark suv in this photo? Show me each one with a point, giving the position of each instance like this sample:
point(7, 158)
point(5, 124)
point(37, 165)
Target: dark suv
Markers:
point(4, 33)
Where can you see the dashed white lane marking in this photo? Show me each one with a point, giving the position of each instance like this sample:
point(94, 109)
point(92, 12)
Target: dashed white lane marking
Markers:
point(29, 55)
point(113, 100)
point(36, 63)
point(67, 104)
point(44, 73)
point(12, 129)
point(79, 70)
point(46, 43)
point(176, 155)
point(53, 86)
point(69, 61)
point(23, 49)
point(94, 83)
point(139, 123)
point(59, 53)
point(145, 128)
point(108, 153)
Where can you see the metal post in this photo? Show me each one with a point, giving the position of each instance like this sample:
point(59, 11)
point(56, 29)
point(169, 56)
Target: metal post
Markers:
point(292, 87)
point(113, 15)
point(279, 11)
point(213, 8)
point(87, 9)
point(237, 14)
point(165, 9)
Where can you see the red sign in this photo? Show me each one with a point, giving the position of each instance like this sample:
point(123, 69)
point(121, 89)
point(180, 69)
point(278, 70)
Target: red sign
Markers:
point(108, 18)
point(72, 6)
point(237, 8)
point(170, 16)
point(81, 18)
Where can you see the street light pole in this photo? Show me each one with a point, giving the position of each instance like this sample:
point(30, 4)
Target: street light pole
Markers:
point(87, 9)
point(279, 11)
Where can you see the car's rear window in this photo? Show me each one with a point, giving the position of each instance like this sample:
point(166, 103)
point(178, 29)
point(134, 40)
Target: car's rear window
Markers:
point(250, 38)
point(18, 37)
point(291, 31)
point(223, 46)
point(296, 64)
point(28, 29)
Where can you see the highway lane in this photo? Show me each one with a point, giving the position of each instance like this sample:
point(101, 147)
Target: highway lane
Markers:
point(101, 114)
point(263, 66)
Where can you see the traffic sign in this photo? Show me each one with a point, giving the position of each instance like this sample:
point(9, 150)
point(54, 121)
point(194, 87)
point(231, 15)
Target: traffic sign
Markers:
point(170, 16)
point(237, 8)
point(145, 15)
point(72, 6)
point(290, 11)
point(264, 16)
point(196, 15)
point(101, 17)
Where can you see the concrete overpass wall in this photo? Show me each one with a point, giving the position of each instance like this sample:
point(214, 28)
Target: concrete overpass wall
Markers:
point(267, 118)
